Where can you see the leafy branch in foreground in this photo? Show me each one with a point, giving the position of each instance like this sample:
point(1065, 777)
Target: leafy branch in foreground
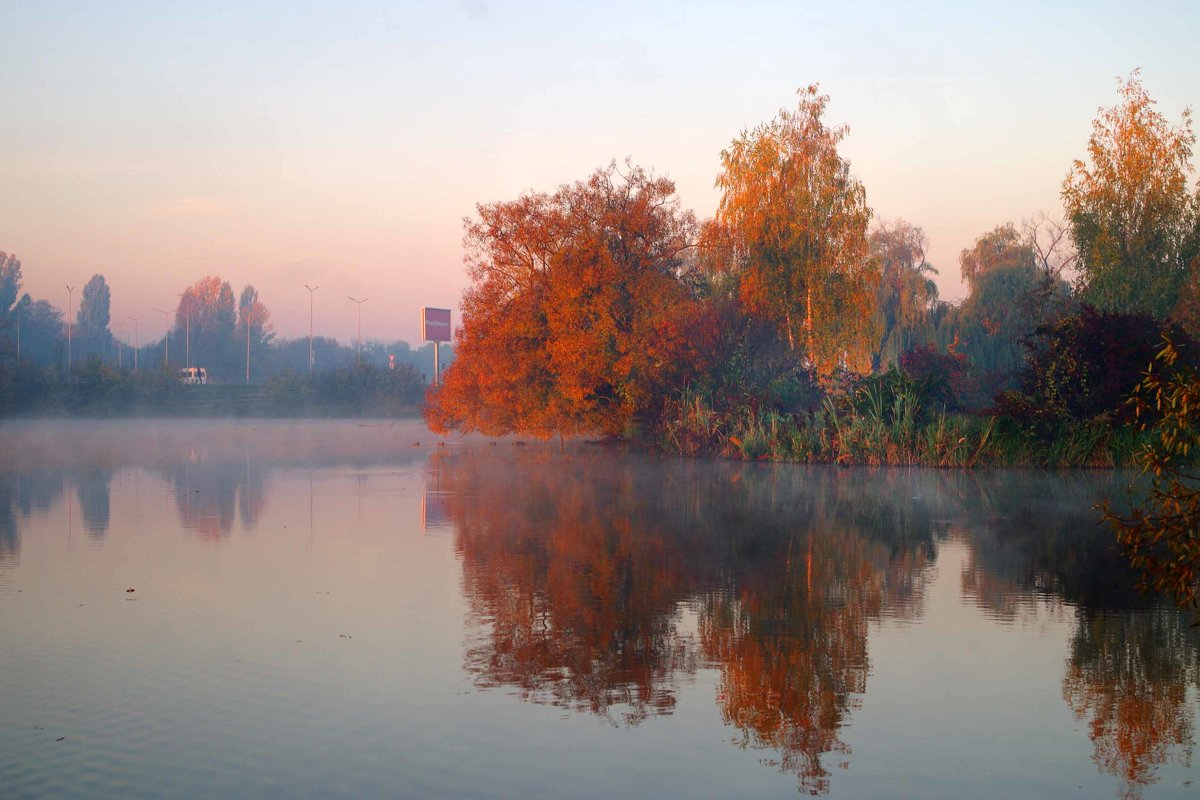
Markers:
point(1162, 535)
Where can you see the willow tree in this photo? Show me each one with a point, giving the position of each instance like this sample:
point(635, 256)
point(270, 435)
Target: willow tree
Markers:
point(906, 297)
point(1013, 288)
point(797, 223)
point(1131, 214)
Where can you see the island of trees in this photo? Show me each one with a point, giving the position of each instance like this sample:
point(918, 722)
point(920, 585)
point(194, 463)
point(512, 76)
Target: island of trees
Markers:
point(793, 326)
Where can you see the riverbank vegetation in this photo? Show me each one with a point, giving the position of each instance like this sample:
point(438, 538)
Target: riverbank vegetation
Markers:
point(792, 326)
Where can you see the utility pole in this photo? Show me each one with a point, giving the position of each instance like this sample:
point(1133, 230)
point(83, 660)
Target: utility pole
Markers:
point(246, 323)
point(311, 289)
point(135, 343)
point(166, 337)
point(70, 307)
point(358, 349)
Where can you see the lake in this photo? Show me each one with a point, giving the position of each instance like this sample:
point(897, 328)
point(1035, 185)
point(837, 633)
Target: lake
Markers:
point(363, 609)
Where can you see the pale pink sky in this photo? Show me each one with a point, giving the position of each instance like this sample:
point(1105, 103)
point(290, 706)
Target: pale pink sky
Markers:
point(341, 145)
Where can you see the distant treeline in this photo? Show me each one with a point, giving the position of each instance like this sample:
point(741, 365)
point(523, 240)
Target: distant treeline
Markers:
point(49, 367)
point(96, 389)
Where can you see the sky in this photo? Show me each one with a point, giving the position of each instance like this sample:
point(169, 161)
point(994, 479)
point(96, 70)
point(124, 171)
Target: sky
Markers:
point(341, 144)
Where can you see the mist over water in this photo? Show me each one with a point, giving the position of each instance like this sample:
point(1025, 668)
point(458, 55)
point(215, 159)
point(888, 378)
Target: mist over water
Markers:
point(348, 609)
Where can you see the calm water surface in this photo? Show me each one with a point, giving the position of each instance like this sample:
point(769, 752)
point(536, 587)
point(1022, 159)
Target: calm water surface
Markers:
point(346, 609)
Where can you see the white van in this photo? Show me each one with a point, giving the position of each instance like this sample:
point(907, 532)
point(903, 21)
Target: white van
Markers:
point(191, 376)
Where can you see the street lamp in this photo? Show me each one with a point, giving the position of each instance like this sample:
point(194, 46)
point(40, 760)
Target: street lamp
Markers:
point(358, 348)
point(70, 307)
point(135, 342)
point(311, 289)
point(166, 337)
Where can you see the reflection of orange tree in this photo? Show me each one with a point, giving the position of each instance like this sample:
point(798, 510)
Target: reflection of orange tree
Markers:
point(791, 643)
point(576, 570)
point(578, 593)
point(1128, 676)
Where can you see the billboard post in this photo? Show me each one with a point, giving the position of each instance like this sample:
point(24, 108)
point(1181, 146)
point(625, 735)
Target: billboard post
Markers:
point(435, 327)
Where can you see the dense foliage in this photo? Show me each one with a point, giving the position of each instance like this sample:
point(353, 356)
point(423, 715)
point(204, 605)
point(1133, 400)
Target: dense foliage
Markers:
point(1162, 533)
point(1132, 215)
point(791, 231)
point(581, 317)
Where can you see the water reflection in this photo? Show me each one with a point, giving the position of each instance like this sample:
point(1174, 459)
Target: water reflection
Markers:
point(1127, 677)
point(605, 583)
point(22, 494)
point(1132, 657)
point(574, 587)
point(586, 573)
point(578, 578)
point(95, 499)
point(209, 495)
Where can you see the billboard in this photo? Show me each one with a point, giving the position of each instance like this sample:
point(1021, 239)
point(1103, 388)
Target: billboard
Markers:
point(435, 324)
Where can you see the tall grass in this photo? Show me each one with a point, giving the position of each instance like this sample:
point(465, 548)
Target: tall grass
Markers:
point(875, 426)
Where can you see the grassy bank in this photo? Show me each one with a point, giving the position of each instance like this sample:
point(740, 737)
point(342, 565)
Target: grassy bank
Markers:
point(877, 429)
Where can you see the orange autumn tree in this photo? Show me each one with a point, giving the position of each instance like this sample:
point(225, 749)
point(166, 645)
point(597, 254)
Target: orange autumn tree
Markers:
point(796, 222)
point(1133, 217)
point(580, 317)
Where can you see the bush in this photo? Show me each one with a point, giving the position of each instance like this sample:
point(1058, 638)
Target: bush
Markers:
point(1084, 367)
point(1162, 535)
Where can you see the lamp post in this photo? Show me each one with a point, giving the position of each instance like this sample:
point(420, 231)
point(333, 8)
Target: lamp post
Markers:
point(166, 337)
point(311, 290)
point(358, 347)
point(135, 342)
point(70, 307)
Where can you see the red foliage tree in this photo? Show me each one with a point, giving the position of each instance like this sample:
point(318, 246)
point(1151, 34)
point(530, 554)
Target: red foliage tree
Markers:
point(580, 317)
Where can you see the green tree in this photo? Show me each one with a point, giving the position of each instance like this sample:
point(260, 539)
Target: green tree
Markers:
point(796, 222)
point(43, 331)
point(907, 297)
point(1000, 247)
point(1162, 534)
point(253, 319)
point(10, 288)
point(1130, 211)
point(93, 317)
point(10, 282)
point(1011, 294)
point(204, 322)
